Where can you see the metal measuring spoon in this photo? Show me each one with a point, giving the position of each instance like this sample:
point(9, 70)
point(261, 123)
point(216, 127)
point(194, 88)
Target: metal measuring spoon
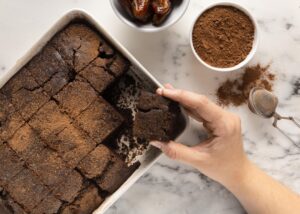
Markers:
point(264, 103)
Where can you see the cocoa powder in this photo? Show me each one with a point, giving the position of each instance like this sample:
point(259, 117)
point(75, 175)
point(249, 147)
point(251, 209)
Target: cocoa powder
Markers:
point(223, 36)
point(236, 92)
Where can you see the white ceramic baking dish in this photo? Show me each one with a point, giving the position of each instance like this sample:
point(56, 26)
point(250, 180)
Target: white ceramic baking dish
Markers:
point(152, 154)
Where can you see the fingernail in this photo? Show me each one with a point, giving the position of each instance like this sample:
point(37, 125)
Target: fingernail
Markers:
point(156, 144)
point(169, 86)
point(159, 91)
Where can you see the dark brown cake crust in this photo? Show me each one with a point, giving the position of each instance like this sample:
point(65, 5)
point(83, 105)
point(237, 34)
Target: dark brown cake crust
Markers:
point(28, 102)
point(24, 93)
point(94, 164)
point(72, 145)
point(76, 97)
point(116, 174)
point(156, 118)
point(26, 189)
point(49, 205)
point(22, 79)
point(152, 125)
point(10, 164)
point(78, 45)
point(148, 101)
point(97, 75)
point(119, 65)
point(10, 120)
point(69, 188)
point(49, 167)
point(9, 206)
point(49, 121)
point(45, 64)
point(26, 142)
point(99, 120)
point(86, 203)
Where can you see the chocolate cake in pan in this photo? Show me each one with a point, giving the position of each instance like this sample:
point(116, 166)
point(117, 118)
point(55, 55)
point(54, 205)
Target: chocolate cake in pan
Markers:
point(61, 121)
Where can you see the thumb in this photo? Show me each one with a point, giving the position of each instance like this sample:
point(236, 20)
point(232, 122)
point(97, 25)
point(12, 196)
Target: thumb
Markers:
point(179, 152)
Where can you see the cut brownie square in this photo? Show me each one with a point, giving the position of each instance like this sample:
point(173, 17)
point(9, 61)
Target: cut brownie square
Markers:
point(3, 208)
point(45, 64)
point(9, 206)
point(99, 120)
point(49, 121)
point(76, 97)
point(72, 145)
point(68, 189)
point(26, 142)
point(157, 118)
point(95, 163)
point(117, 173)
point(86, 203)
point(97, 75)
point(27, 190)
point(24, 93)
point(22, 79)
point(105, 50)
point(155, 124)
point(148, 101)
point(78, 45)
point(10, 120)
point(10, 164)
point(49, 205)
point(49, 167)
point(57, 82)
point(119, 65)
point(28, 102)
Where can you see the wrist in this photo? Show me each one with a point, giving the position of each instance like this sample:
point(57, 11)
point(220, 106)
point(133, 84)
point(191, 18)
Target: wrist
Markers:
point(239, 175)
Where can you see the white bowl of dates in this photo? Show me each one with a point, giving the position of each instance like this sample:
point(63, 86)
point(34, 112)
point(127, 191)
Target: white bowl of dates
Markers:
point(150, 15)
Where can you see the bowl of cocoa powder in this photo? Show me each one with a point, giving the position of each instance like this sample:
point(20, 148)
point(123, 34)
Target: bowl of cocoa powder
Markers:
point(224, 37)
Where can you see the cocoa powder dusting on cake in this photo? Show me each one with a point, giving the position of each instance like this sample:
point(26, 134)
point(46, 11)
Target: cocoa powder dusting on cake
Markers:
point(236, 92)
point(223, 36)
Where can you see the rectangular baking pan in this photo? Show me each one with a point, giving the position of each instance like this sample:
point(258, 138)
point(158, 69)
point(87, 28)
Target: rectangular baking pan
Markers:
point(152, 154)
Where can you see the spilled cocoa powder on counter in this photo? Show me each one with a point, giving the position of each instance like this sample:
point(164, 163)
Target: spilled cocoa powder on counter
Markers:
point(223, 36)
point(236, 92)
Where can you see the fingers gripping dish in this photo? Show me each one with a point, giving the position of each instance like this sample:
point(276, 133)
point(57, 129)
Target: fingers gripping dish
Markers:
point(58, 150)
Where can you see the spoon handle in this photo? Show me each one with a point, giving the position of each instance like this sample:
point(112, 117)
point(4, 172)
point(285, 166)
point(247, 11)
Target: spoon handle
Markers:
point(278, 117)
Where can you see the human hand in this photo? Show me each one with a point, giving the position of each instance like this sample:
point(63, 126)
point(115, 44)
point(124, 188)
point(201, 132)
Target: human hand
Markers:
point(222, 156)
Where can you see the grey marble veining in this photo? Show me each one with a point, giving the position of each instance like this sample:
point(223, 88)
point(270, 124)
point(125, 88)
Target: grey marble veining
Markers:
point(170, 187)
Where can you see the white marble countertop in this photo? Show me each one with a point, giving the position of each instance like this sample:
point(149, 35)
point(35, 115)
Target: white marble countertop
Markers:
point(170, 187)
